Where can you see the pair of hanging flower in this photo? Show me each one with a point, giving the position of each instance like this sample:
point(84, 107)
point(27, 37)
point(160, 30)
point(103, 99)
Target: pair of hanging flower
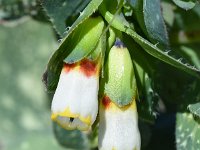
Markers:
point(75, 103)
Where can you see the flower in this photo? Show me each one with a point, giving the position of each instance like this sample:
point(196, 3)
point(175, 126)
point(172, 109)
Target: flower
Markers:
point(118, 126)
point(75, 102)
point(119, 81)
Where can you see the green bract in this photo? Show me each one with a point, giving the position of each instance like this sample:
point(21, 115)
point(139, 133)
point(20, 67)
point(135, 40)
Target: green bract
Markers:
point(85, 39)
point(119, 82)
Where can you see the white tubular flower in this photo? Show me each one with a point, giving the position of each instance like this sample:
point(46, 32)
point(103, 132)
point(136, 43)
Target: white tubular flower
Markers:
point(75, 102)
point(118, 127)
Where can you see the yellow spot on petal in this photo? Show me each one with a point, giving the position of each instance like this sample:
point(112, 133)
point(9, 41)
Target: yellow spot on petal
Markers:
point(87, 120)
point(66, 113)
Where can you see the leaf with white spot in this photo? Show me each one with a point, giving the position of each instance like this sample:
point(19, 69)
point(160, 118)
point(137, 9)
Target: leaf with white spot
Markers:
point(195, 109)
point(150, 19)
point(187, 132)
point(154, 22)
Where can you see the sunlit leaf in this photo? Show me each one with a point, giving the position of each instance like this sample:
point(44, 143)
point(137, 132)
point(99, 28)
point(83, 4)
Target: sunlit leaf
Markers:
point(187, 132)
point(195, 109)
point(150, 18)
point(154, 22)
point(185, 4)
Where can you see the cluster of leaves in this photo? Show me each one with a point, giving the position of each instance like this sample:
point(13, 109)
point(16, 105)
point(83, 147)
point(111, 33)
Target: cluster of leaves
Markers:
point(166, 56)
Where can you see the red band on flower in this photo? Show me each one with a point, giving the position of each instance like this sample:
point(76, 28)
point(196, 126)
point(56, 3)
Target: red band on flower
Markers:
point(68, 67)
point(106, 101)
point(89, 68)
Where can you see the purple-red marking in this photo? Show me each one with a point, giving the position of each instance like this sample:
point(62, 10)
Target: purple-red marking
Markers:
point(88, 67)
point(106, 101)
point(68, 67)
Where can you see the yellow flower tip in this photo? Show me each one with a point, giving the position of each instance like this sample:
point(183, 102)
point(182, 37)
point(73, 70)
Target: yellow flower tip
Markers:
point(63, 119)
point(53, 117)
point(87, 120)
point(66, 113)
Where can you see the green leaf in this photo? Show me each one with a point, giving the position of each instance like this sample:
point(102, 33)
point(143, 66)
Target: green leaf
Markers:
point(186, 87)
point(99, 49)
point(88, 11)
point(154, 23)
point(55, 64)
point(191, 53)
point(83, 40)
point(185, 4)
point(148, 98)
point(183, 31)
point(168, 13)
point(195, 109)
point(187, 132)
point(147, 46)
point(74, 139)
point(179, 88)
point(60, 11)
point(150, 19)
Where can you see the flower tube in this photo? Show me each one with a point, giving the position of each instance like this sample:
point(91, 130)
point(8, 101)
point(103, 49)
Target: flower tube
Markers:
point(118, 126)
point(75, 102)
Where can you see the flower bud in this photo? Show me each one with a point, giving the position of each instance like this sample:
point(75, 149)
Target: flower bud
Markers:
point(119, 82)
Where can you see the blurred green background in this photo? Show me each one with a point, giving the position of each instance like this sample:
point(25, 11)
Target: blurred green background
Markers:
point(25, 47)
